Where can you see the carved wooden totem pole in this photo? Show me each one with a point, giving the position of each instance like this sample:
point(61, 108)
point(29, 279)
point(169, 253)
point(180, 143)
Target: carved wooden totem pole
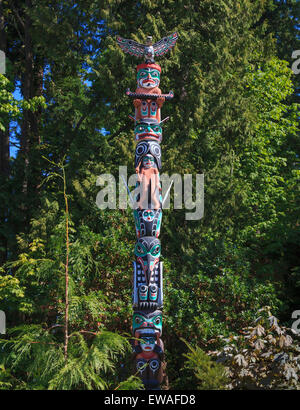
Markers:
point(148, 348)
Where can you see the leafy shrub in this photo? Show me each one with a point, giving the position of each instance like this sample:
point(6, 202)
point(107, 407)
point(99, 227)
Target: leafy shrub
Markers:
point(264, 356)
point(35, 359)
point(201, 372)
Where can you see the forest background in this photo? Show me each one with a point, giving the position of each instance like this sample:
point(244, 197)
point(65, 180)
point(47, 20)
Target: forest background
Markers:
point(228, 277)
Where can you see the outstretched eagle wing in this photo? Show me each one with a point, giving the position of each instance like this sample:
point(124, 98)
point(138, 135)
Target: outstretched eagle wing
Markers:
point(165, 44)
point(131, 47)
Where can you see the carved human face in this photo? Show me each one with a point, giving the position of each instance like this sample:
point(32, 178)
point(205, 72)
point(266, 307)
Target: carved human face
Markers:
point(148, 215)
point(148, 161)
point(143, 320)
point(148, 343)
point(148, 131)
point(148, 78)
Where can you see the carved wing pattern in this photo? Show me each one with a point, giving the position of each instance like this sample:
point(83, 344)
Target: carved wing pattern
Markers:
point(165, 44)
point(131, 47)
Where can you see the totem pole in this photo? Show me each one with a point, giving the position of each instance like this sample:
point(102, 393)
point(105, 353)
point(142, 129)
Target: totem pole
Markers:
point(148, 348)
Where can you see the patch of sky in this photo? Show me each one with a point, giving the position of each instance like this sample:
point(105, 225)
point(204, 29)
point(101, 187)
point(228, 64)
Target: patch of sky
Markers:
point(14, 126)
point(103, 131)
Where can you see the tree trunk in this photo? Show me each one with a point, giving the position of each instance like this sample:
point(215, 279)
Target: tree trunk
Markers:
point(31, 86)
point(4, 154)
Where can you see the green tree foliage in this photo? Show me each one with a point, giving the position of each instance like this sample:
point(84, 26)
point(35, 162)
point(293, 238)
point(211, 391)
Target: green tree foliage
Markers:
point(282, 18)
point(7, 103)
point(200, 372)
point(36, 357)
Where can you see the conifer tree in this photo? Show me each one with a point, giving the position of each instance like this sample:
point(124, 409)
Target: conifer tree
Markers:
point(232, 120)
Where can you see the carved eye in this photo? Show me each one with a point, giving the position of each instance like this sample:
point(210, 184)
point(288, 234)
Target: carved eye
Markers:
point(154, 365)
point(138, 320)
point(140, 365)
point(139, 250)
point(156, 250)
point(153, 288)
point(157, 320)
point(143, 288)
